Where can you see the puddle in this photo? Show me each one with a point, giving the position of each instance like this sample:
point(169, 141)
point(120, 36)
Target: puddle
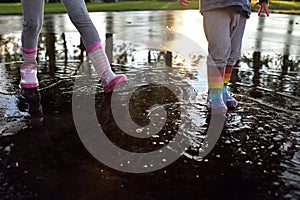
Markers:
point(256, 157)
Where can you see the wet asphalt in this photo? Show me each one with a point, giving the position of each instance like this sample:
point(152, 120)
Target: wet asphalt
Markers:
point(42, 156)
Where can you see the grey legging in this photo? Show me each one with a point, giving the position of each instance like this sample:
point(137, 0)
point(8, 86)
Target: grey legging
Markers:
point(33, 11)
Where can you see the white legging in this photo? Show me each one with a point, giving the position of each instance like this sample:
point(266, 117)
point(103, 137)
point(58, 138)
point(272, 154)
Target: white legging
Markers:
point(33, 12)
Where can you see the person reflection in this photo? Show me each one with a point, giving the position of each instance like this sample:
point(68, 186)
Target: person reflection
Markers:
point(33, 99)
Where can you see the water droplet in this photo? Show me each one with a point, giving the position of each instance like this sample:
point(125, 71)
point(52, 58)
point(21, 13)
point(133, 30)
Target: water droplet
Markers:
point(7, 149)
point(227, 142)
point(139, 130)
point(248, 162)
point(198, 158)
point(276, 183)
point(260, 128)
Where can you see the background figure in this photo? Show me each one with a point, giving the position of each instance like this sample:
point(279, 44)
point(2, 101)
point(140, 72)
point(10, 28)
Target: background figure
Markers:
point(33, 19)
point(224, 24)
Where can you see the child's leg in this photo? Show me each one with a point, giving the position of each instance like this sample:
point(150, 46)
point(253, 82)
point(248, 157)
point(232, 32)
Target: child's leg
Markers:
point(236, 39)
point(230, 101)
point(236, 43)
point(32, 23)
point(217, 30)
point(215, 76)
point(80, 18)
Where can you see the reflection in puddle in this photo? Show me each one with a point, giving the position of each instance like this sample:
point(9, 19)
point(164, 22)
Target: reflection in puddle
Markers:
point(260, 140)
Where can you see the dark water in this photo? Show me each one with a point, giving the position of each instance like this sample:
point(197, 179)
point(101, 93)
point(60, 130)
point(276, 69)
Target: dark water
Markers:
point(256, 157)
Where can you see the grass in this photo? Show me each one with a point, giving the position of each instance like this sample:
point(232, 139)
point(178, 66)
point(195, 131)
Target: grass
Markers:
point(16, 8)
point(138, 5)
point(10, 8)
point(285, 7)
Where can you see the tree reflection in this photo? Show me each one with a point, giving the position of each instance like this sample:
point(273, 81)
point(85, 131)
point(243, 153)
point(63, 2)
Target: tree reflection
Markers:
point(50, 52)
point(9, 48)
point(257, 64)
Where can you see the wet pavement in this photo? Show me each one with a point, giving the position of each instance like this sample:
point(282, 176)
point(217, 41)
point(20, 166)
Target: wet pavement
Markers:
point(256, 157)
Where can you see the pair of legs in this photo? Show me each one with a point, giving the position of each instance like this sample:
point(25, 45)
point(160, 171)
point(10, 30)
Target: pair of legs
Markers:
point(33, 11)
point(224, 31)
